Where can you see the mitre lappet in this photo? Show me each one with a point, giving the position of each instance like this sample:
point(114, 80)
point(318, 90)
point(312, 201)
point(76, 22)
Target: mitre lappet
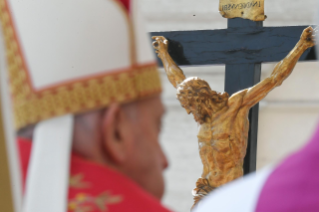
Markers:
point(64, 58)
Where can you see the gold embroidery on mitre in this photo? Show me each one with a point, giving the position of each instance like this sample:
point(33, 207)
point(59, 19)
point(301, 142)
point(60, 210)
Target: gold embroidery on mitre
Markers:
point(96, 93)
point(31, 107)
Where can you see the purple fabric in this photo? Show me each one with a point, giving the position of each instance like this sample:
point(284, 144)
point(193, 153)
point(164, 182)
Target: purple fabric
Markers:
point(294, 184)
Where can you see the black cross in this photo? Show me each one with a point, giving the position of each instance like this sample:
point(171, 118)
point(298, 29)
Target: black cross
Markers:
point(243, 46)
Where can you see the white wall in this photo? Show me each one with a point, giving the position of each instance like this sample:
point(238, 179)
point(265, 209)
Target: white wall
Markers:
point(287, 117)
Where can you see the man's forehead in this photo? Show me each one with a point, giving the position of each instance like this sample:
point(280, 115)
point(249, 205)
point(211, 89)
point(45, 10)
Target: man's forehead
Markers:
point(153, 104)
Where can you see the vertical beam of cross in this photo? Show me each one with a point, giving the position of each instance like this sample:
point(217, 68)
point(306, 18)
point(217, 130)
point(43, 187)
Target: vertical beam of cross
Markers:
point(242, 76)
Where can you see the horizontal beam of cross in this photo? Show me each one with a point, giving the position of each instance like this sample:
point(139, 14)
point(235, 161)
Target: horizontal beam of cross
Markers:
point(234, 45)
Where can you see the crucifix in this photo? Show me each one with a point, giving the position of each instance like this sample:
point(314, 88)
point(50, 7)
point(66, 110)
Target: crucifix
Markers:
point(243, 47)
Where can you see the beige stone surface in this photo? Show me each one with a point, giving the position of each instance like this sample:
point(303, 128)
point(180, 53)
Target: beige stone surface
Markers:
point(288, 115)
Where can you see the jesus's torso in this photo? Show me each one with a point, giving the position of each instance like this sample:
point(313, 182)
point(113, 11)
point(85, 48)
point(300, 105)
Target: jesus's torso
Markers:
point(223, 143)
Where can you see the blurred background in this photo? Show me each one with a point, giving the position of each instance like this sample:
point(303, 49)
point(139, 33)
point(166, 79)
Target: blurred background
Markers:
point(288, 115)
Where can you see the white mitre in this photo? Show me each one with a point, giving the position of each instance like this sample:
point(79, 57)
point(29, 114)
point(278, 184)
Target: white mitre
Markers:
point(64, 57)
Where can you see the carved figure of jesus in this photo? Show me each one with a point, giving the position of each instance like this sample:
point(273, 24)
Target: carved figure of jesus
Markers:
point(223, 119)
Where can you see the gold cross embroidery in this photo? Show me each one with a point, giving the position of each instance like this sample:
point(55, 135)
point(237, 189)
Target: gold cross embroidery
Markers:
point(76, 181)
point(85, 202)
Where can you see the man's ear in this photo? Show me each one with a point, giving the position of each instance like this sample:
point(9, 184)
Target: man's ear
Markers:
point(118, 135)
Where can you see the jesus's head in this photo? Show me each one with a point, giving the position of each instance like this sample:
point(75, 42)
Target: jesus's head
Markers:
point(197, 97)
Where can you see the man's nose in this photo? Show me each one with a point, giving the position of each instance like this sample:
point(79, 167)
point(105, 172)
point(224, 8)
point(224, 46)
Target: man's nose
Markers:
point(164, 161)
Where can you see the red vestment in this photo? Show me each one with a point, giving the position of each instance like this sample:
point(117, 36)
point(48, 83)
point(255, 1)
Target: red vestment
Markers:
point(97, 188)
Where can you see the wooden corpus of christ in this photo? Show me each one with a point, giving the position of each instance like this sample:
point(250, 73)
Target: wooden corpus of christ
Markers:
point(243, 47)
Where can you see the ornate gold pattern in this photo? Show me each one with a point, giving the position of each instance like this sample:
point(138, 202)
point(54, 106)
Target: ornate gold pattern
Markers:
point(95, 93)
point(31, 107)
point(223, 119)
point(85, 202)
point(76, 181)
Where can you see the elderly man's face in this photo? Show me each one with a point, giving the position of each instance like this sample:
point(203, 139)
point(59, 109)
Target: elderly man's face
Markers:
point(125, 138)
point(148, 161)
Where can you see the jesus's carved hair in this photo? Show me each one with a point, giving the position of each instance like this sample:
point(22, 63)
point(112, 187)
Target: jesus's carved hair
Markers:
point(195, 92)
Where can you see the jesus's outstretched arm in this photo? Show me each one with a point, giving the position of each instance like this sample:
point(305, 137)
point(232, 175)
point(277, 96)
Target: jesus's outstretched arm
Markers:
point(174, 73)
point(282, 70)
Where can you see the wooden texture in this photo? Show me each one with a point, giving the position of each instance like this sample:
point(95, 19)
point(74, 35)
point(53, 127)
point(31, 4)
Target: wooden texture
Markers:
point(239, 77)
point(223, 119)
point(234, 45)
